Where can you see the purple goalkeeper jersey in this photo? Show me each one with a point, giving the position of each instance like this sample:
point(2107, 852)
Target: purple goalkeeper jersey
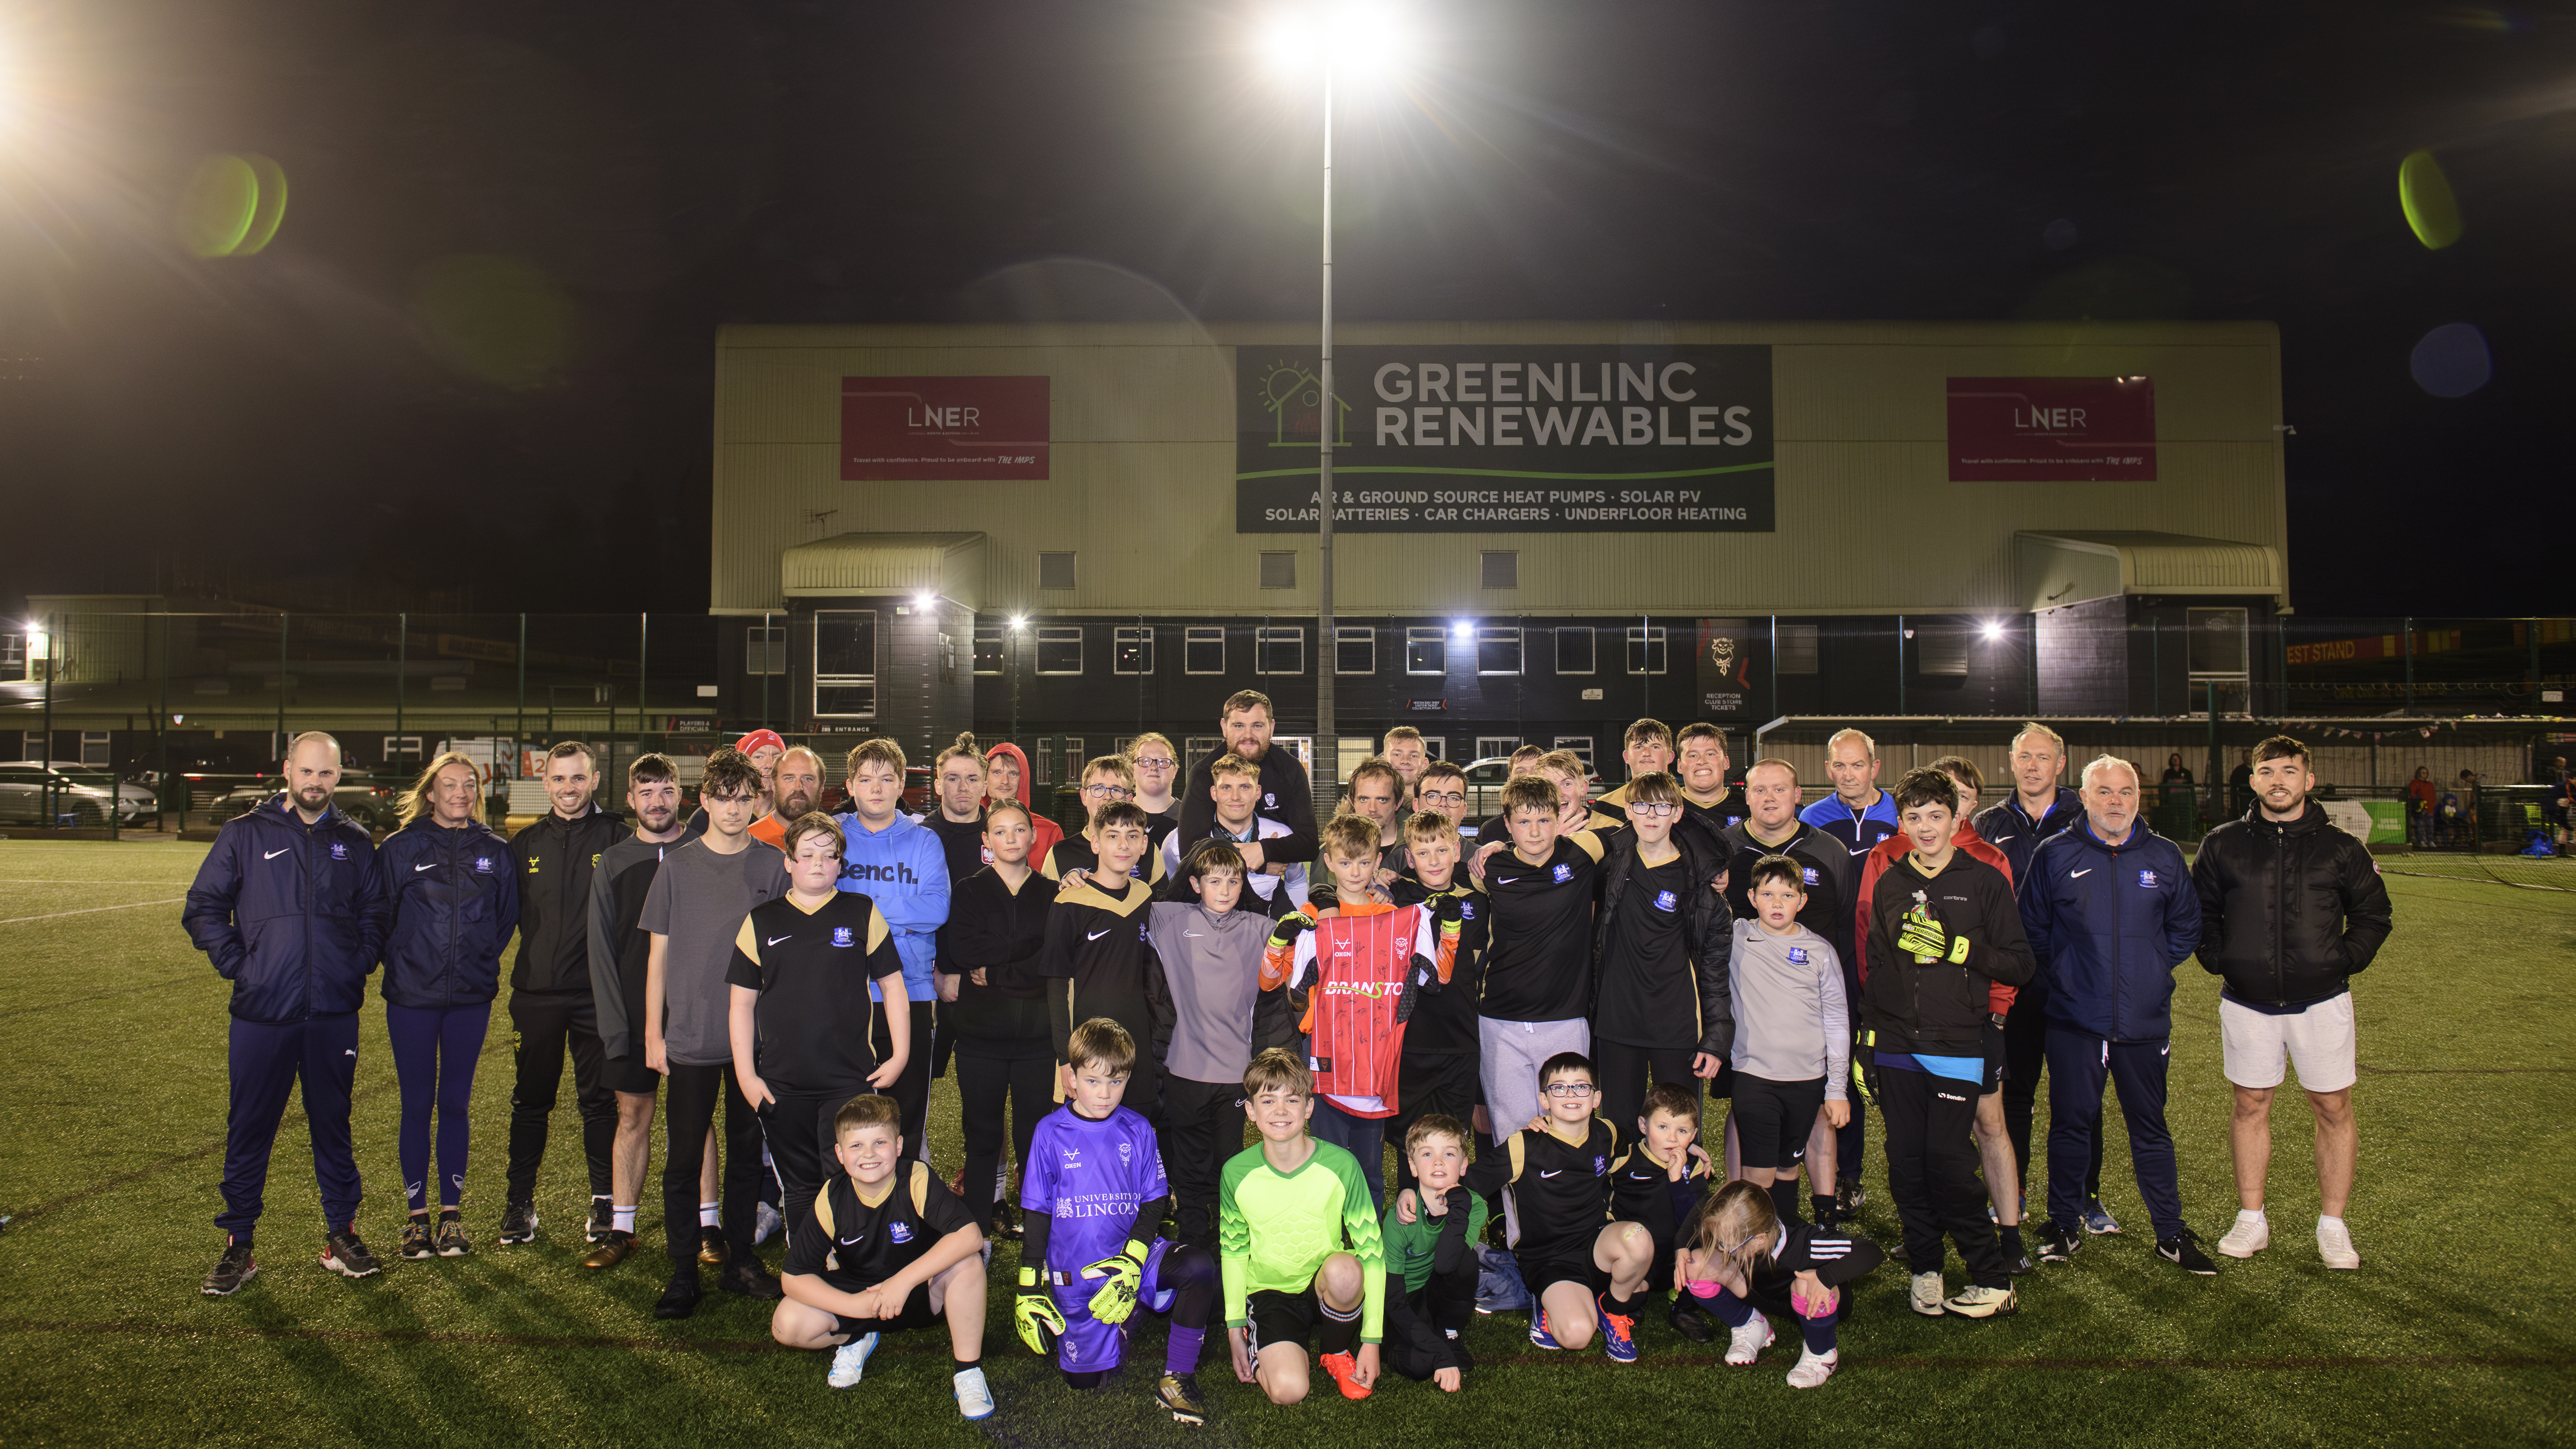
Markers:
point(1090, 1177)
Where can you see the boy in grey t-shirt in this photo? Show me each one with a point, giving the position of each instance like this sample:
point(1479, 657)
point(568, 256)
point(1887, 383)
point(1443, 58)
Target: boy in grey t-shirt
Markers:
point(693, 911)
point(1211, 954)
point(1791, 1051)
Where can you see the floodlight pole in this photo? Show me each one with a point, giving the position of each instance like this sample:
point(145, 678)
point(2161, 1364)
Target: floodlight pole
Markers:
point(1327, 747)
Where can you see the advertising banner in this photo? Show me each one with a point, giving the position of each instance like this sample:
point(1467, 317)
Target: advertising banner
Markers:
point(943, 429)
point(2052, 429)
point(1508, 439)
point(1725, 669)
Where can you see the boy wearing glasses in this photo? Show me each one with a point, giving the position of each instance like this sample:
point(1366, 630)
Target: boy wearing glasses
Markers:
point(1106, 781)
point(1660, 945)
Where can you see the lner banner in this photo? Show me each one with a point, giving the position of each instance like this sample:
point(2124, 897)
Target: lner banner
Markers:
point(1501, 439)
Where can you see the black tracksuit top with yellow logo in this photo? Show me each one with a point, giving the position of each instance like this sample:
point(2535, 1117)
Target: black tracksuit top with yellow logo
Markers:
point(812, 970)
point(553, 860)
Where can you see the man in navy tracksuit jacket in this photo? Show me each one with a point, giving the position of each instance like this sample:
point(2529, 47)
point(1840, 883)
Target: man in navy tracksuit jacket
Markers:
point(2110, 911)
point(2014, 829)
point(287, 908)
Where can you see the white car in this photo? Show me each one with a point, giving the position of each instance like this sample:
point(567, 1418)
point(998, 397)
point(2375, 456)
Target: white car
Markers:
point(80, 792)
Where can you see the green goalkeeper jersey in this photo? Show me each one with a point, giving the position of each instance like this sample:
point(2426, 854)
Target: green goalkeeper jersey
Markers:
point(1275, 1229)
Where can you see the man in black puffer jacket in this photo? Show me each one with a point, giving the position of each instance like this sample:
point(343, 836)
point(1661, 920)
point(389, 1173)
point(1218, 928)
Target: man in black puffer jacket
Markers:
point(2291, 910)
point(1661, 943)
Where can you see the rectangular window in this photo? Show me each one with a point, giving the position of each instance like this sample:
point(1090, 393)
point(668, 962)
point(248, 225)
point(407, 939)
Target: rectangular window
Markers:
point(1203, 649)
point(2216, 651)
point(1195, 748)
point(1573, 650)
point(992, 652)
point(1426, 651)
point(1435, 747)
point(1131, 649)
point(1354, 651)
point(1496, 747)
point(764, 650)
point(1055, 570)
point(1074, 759)
point(1060, 651)
point(94, 745)
point(1501, 569)
point(1498, 651)
point(1279, 570)
point(1279, 651)
point(1581, 745)
point(1646, 649)
point(1797, 649)
point(845, 663)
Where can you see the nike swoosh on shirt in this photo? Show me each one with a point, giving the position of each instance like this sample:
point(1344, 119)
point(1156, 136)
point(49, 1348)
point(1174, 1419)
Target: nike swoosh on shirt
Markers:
point(774, 940)
point(852, 1242)
point(417, 869)
point(1103, 931)
point(2072, 874)
point(1551, 1174)
point(1505, 879)
point(274, 854)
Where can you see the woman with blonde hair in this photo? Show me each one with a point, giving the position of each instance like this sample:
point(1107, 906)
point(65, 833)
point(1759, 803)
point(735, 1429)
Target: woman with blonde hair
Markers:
point(1158, 768)
point(446, 882)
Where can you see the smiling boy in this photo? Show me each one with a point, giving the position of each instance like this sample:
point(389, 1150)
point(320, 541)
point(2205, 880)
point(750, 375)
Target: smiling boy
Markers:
point(1298, 1246)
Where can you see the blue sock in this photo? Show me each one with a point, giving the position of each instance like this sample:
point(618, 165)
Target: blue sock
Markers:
point(1820, 1334)
point(1732, 1311)
point(1181, 1355)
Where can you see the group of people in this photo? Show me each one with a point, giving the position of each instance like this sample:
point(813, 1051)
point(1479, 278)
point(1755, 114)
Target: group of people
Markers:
point(1531, 1009)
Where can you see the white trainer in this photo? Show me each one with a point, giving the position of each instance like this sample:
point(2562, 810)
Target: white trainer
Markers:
point(974, 1396)
point(2334, 1244)
point(1748, 1341)
point(850, 1360)
point(1814, 1368)
point(1929, 1290)
point(2251, 1235)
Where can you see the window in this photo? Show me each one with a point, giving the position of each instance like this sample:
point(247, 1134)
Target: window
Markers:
point(1055, 570)
point(1435, 747)
point(947, 657)
point(1203, 649)
point(94, 746)
point(845, 663)
point(2216, 652)
point(1354, 651)
point(1426, 651)
point(396, 747)
point(764, 650)
point(1797, 649)
point(1581, 745)
point(1279, 651)
point(1493, 747)
point(13, 656)
point(1279, 570)
point(1502, 568)
point(1573, 650)
point(1060, 651)
point(1074, 759)
point(992, 652)
point(1195, 748)
point(1942, 650)
point(1646, 652)
point(1131, 649)
point(1498, 651)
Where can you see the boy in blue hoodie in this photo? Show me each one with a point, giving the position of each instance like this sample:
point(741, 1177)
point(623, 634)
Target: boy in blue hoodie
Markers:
point(899, 863)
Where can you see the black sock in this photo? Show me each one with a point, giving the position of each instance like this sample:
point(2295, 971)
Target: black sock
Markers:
point(241, 1238)
point(963, 1364)
point(1339, 1332)
point(1824, 1205)
point(1784, 1197)
point(2012, 1238)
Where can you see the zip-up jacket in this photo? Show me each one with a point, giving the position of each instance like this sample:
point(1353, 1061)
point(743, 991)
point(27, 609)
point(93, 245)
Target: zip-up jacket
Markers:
point(1285, 797)
point(1221, 1018)
point(1708, 929)
point(289, 913)
point(904, 869)
point(1002, 933)
point(2008, 827)
point(621, 950)
point(452, 902)
point(1999, 997)
point(554, 859)
point(2290, 910)
point(1273, 894)
point(1938, 1007)
point(2107, 924)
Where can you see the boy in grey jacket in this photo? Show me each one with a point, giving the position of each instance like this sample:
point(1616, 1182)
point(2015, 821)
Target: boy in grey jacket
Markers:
point(1211, 954)
point(1792, 1051)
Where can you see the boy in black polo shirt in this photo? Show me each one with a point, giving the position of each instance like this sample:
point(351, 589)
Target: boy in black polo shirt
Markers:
point(1098, 961)
point(1659, 1183)
point(885, 1247)
point(802, 1020)
point(1538, 969)
point(1437, 1074)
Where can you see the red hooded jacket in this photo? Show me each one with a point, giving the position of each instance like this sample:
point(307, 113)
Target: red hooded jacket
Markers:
point(1999, 997)
point(1044, 833)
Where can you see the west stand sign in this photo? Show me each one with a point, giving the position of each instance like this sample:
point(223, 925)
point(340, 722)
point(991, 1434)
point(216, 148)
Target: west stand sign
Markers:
point(1603, 439)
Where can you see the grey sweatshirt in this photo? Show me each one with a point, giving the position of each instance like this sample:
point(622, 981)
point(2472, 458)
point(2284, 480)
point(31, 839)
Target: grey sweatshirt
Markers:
point(1789, 1009)
point(1212, 965)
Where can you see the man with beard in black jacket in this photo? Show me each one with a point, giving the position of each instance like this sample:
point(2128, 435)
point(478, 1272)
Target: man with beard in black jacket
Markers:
point(2288, 958)
point(1246, 722)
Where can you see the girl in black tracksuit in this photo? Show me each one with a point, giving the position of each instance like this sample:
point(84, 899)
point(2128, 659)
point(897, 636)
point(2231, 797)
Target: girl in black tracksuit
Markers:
point(989, 952)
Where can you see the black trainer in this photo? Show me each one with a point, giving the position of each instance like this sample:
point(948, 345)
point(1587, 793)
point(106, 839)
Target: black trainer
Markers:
point(345, 1254)
point(2056, 1244)
point(679, 1296)
point(1850, 1196)
point(2020, 1264)
point(518, 1222)
point(232, 1270)
point(1180, 1394)
point(603, 1218)
point(750, 1280)
point(1690, 1322)
point(2183, 1250)
point(415, 1239)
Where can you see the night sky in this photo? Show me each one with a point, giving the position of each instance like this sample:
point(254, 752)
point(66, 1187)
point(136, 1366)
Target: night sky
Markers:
point(475, 363)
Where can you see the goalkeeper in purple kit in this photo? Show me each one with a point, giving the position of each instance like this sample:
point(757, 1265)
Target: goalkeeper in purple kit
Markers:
point(1093, 1199)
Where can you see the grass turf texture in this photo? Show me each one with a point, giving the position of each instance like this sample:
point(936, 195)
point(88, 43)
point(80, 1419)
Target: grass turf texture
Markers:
point(112, 1069)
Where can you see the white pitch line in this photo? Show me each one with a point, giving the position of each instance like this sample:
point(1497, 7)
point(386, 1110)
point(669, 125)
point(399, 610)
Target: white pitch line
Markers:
point(92, 910)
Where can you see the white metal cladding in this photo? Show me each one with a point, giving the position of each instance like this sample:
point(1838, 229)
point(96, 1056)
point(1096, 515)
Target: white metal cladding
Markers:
point(1142, 484)
point(2056, 569)
point(950, 565)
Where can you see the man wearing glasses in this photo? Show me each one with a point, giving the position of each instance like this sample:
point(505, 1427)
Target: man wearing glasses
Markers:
point(1106, 781)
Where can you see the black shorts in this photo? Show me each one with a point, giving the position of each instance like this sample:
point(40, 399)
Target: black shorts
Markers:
point(916, 1314)
point(629, 1074)
point(1282, 1317)
point(1722, 1086)
point(1773, 1119)
point(1560, 1263)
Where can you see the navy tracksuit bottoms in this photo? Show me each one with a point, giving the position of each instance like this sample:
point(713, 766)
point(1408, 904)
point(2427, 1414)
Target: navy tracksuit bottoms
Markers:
point(267, 1060)
point(2078, 1064)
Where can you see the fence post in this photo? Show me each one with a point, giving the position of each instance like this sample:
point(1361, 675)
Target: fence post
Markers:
point(45, 746)
point(519, 727)
point(402, 673)
point(2531, 636)
point(1900, 664)
point(281, 691)
point(161, 777)
point(1775, 665)
point(643, 671)
point(2408, 638)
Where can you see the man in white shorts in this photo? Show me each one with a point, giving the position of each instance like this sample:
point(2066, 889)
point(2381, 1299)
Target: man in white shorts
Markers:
point(2288, 958)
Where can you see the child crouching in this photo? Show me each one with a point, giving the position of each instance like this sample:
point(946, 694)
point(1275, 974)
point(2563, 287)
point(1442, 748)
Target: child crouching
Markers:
point(1741, 1261)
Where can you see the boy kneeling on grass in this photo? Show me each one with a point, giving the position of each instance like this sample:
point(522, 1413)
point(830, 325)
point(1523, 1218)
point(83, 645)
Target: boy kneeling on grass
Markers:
point(1298, 1244)
point(886, 1247)
point(1740, 1259)
point(1093, 1200)
point(1431, 1261)
point(1581, 1267)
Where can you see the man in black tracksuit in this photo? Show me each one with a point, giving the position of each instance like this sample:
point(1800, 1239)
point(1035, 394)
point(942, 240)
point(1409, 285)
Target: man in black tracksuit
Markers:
point(551, 1007)
point(1246, 722)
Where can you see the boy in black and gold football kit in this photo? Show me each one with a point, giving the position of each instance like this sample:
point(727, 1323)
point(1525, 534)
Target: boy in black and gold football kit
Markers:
point(1537, 998)
point(1437, 1075)
point(1099, 962)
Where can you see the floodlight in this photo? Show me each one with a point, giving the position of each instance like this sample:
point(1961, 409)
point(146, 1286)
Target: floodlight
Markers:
point(1462, 631)
point(1994, 629)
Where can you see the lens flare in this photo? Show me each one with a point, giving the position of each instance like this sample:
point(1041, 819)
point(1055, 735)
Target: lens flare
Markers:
point(217, 206)
point(2425, 193)
point(2451, 360)
point(270, 213)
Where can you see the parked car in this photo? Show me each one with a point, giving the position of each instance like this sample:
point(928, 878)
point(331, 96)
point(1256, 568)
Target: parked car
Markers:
point(85, 796)
point(358, 796)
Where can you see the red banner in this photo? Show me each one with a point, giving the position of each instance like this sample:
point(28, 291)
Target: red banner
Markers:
point(943, 429)
point(2052, 429)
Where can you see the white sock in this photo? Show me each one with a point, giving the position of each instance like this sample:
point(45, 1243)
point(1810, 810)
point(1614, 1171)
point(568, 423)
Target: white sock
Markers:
point(2249, 1215)
point(621, 1219)
point(707, 1214)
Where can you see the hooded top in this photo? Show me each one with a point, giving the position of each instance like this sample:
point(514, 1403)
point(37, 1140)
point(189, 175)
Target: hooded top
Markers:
point(1043, 833)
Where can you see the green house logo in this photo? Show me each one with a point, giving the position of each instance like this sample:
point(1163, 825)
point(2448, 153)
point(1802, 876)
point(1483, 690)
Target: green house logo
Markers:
point(1293, 395)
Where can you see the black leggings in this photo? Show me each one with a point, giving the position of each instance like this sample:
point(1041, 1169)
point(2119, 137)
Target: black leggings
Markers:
point(688, 1109)
point(1623, 1070)
point(994, 1073)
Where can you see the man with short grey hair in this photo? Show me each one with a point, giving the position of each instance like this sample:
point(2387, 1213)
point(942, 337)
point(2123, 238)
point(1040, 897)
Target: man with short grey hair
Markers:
point(1858, 813)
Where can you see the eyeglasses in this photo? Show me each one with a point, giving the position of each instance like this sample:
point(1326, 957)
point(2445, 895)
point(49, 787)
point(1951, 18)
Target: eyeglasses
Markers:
point(1108, 792)
point(1156, 765)
point(1655, 810)
point(1570, 1090)
point(1441, 797)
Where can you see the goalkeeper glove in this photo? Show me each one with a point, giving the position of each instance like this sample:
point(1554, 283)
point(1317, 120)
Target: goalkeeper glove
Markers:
point(1925, 939)
point(1287, 928)
point(1125, 1272)
point(1035, 1315)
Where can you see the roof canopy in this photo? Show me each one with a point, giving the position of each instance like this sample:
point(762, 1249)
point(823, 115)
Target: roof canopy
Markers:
point(950, 565)
point(2052, 570)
